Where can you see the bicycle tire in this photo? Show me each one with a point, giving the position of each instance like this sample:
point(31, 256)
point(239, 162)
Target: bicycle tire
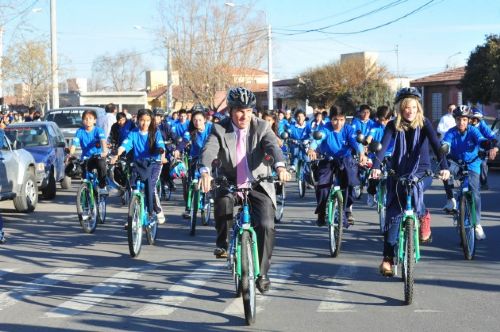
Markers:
point(185, 188)
point(195, 201)
point(381, 202)
point(248, 279)
point(101, 208)
point(134, 229)
point(237, 283)
point(335, 224)
point(152, 232)
point(467, 229)
point(205, 213)
point(280, 202)
point(408, 260)
point(87, 214)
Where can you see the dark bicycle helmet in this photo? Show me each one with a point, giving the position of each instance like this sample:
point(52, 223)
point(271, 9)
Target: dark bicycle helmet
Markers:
point(198, 108)
point(407, 92)
point(158, 112)
point(241, 97)
point(73, 168)
point(462, 111)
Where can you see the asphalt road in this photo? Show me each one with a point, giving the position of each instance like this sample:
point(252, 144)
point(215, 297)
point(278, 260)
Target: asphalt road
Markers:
point(56, 278)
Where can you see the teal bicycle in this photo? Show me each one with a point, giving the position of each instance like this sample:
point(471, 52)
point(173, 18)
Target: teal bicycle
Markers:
point(140, 219)
point(90, 205)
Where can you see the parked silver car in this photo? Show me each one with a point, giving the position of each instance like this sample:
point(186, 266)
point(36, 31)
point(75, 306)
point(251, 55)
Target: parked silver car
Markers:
point(18, 177)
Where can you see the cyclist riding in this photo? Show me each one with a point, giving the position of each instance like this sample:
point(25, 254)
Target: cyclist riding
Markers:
point(362, 124)
point(464, 141)
point(198, 132)
point(337, 144)
point(241, 143)
point(168, 135)
point(92, 141)
point(412, 134)
point(478, 121)
point(298, 132)
point(146, 142)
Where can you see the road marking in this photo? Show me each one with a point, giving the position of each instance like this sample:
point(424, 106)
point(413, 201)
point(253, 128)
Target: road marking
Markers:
point(279, 275)
point(6, 271)
point(19, 293)
point(425, 310)
point(91, 297)
point(175, 295)
point(333, 302)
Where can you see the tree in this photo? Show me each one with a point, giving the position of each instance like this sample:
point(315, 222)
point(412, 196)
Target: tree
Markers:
point(211, 44)
point(122, 72)
point(29, 63)
point(481, 81)
point(354, 79)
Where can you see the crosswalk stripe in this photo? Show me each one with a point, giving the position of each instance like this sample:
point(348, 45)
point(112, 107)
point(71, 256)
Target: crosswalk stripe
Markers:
point(333, 302)
point(279, 275)
point(176, 294)
point(6, 271)
point(91, 297)
point(10, 298)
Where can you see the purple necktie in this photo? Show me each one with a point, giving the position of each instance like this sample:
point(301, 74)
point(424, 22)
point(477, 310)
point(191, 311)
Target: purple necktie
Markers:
point(241, 159)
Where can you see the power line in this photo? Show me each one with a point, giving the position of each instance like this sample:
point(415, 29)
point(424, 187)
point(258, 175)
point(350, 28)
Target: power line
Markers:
point(320, 30)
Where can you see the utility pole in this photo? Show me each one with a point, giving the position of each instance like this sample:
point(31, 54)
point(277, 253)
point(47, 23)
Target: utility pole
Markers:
point(169, 79)
point(397, 66)
point(53, 52)
point(270, 71)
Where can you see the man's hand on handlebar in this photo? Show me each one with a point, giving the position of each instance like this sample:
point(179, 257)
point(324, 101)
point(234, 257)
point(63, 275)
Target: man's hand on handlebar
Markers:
point(283, 174)
point(205, 182)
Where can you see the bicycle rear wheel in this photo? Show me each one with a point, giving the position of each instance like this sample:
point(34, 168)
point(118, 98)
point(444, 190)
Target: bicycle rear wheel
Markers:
point(134, 229)
point(195, 202)
point(185, 189)
point(466, 227)
point(408, 260)
point(280, 201)
point(87, 212)
point(248, 279)
point(335, 223)
point(152, 231)
point(101, 208)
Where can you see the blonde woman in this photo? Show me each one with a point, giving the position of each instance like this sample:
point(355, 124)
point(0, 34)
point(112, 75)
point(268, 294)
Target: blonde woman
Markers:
point(412, 134)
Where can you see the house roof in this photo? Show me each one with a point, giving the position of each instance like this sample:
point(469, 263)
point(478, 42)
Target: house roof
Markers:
point(160, 91)
point(244, 71)
point(449, 76)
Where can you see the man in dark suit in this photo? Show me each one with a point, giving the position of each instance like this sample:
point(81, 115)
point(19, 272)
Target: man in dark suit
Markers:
point(240, 142)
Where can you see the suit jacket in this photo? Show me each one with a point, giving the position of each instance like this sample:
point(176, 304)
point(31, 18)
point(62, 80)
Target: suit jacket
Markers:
point(261, 140)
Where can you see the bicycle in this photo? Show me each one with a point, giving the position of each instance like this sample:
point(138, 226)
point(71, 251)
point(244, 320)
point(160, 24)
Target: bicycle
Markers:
point(198, 200)
point(382, 195)
point(465, 215)
point(280, 201)
point(303, 171)
point(243, 254)
point(90, 204)
point(407, 247)
point(139, 218)
point(122, 179)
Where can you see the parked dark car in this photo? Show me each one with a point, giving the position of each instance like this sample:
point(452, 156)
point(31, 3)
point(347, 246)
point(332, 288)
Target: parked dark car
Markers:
point(45, 141)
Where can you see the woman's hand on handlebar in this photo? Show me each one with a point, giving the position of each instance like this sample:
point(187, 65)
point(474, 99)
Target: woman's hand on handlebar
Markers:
point(375, 174)
point(444, 174)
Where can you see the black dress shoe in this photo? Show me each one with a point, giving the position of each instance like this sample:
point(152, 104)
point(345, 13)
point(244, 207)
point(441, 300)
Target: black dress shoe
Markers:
point(263, 284)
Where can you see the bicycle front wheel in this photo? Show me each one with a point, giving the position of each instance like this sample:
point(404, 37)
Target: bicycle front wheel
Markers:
point(194, 212)
point(335, 223)
point(381, 207)
point(152, 231)
point(86, 210)
point(248, 278)
point(207, 208)
point(134, 229)
point(101, 208)
point(280, 201)
point(408, 260)
point(466, 227)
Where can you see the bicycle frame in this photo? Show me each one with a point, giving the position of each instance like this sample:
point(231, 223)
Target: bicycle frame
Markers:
point(241, 225)
point(464, 191)
point(408, 213)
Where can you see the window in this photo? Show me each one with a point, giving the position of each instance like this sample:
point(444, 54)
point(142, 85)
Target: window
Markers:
point(459, 98)
point(437, 106)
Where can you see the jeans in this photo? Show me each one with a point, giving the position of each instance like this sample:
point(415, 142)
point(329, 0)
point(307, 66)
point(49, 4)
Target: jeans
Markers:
point(155, 176)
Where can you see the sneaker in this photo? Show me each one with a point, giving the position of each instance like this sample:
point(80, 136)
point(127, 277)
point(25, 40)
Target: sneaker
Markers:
point(425, 227)
point(2, 237)
point(186, 214)
point(211, 201)
point(350, 218)
point(386, 267)
point(103, 191)
point(480, 233)
point(485, 186)
point(263, 284)
point(451, 205)
point(161, 218)
point(370, 201)
point(292, 169)
point(321, 220)
point(220, 253)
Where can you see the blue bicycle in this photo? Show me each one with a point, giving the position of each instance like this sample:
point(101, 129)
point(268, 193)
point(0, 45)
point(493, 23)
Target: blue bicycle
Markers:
point(140, 219)
point(90, 205)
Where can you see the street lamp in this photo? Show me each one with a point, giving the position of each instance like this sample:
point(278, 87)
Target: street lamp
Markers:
point(270, 101)
point(448, 60)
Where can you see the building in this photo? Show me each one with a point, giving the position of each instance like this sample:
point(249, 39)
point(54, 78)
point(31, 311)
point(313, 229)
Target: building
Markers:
point(441, 89)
